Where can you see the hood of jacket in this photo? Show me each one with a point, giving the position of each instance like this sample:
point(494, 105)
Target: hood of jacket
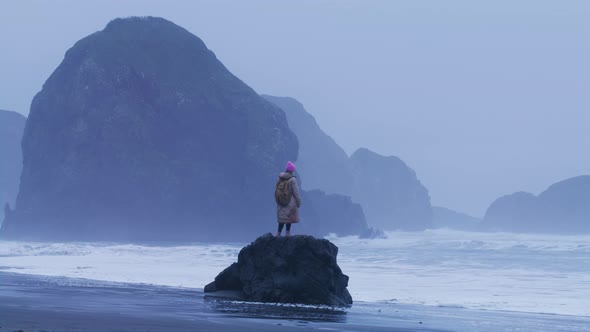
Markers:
point(286, 176)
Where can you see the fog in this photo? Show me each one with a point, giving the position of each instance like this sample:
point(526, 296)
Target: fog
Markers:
point(480, 99)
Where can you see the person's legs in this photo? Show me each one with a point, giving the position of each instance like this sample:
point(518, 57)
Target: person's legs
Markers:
point(288, 233)
point(281, 229)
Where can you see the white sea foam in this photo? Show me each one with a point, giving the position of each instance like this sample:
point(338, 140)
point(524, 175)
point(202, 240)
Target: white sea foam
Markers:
point(181, 266)
point(496, 271)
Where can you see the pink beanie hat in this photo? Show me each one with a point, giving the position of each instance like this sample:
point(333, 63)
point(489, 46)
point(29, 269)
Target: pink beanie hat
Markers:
point(290, 167)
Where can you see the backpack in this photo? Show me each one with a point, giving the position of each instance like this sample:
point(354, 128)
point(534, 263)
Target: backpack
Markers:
point(283, 192)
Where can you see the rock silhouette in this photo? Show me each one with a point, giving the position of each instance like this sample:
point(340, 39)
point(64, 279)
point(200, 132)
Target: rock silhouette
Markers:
point(12, 125)
point(388, 190)
point(299, 269)
point(563, 208)
point(142, 134)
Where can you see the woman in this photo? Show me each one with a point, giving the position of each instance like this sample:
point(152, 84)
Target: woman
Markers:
point(288, 199)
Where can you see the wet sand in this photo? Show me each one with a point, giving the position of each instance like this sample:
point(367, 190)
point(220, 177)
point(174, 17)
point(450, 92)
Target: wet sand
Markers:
point(41, 304)
point(31, 303)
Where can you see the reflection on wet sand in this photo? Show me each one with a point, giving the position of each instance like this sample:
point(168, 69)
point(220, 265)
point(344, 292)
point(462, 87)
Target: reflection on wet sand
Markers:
point(303, 313)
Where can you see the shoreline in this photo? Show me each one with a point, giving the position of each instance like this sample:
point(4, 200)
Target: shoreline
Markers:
point(40, 303)
point(434, 268)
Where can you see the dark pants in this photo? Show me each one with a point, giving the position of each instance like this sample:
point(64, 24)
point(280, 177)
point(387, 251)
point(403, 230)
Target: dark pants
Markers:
point(281, 227)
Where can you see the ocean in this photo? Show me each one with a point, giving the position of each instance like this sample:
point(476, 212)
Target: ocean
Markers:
point(443, 272)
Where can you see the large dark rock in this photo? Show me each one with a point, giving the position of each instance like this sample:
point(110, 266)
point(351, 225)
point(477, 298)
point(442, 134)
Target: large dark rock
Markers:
point(563, 208)
point(142, 134)
point(447, 218)
point(299, 269)
point(322, 163)
point(12, 125)
point(389, 191)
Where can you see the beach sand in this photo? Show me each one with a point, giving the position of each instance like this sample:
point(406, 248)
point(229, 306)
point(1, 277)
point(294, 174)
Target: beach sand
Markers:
point(40, 303)
point(32, 303)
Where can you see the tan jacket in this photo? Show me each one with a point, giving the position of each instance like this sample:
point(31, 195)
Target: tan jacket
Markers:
point(289, 214)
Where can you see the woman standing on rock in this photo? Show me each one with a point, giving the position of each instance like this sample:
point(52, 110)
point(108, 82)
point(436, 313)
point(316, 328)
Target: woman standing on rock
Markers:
point(288, 199)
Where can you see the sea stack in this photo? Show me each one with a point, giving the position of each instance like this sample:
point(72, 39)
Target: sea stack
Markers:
point(389, 192)
point(561, 209)
point(141, 133)
point(12, 125)
point(391, 195)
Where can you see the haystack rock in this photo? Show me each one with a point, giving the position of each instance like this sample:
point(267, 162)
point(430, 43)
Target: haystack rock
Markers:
point(141, 133)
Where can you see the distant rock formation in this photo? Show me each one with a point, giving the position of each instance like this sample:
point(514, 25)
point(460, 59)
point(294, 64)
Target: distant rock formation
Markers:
point(12, 125)
point(447, 218)
point(299, 269)
point(324, 172)
point(389, 191)
point(563, 208)
point(322, 163)
point(511, 213)
point(330, 213)
point(141, 133)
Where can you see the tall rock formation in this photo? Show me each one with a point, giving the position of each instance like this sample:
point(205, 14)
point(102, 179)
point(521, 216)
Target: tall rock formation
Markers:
point(563, 208)
point(12, 125)
point(389, 191)
point(322, 163)
point(141, 133)
point(324, 172)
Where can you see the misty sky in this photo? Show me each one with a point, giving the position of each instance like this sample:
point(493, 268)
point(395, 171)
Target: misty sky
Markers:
point(481, 99)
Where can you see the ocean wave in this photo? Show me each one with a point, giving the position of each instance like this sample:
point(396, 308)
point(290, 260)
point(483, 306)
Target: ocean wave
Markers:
point(492, 271)
point(461, 240)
